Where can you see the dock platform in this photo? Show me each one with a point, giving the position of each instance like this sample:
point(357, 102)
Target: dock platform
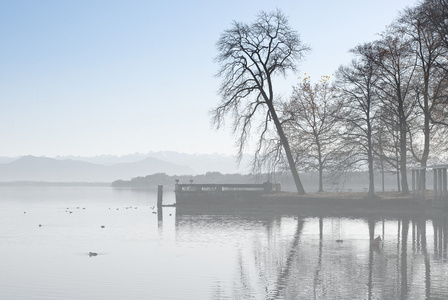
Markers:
point(211, 194)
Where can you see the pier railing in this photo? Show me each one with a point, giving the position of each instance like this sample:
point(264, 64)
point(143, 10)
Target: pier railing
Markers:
point(212, 187)
point(207, 194)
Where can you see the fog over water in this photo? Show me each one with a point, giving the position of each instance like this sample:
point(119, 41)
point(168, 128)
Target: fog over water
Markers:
point(47, 233)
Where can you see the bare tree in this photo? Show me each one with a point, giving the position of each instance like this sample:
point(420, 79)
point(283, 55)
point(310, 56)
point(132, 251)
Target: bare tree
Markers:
point(357, 83)
point(386, 142)
point(435, 14)
point(311, 123)
point(396, 67)
point(427, 47)
point(250, 56)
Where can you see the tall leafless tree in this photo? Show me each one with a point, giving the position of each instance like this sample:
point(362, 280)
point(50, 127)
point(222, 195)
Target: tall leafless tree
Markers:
point(357, 83)
point(435, 15)
point(250, 57)
point(396, 67)
point(386, 142)
point(311, 123)
point(427, 47)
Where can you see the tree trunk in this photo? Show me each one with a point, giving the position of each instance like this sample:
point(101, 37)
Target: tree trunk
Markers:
point(285, 143)
point(321, 185)
point(403, 162)
point(402, 143)
point(371, 192)
point(427, 131)
point(321, 168)
point(292, 166)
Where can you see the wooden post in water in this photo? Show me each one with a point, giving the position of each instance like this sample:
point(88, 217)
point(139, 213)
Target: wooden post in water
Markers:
point(159, 204)
point(159, 196)
point(321, 228)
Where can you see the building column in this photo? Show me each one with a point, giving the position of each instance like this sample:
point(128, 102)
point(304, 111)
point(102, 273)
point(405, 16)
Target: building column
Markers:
point(435, 184)
point(444, 187)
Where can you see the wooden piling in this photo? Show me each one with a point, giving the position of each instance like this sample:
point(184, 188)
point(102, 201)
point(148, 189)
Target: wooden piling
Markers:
point(159, 196)
point(159, 205)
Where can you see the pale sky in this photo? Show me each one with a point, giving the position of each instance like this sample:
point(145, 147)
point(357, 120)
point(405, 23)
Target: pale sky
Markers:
point(92, 77)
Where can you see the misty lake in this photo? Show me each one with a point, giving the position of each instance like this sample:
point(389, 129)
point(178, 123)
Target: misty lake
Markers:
point(46, 234)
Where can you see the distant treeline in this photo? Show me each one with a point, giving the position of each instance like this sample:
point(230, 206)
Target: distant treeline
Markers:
point(152, 181)
point(356, 181)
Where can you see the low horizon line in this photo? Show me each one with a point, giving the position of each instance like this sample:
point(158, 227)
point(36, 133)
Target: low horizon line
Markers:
point(117, 155)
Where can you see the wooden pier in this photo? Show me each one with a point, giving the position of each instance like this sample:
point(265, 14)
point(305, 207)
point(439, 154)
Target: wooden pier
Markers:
point(219, 198)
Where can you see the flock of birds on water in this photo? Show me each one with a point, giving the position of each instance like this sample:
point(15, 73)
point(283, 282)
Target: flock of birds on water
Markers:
point(374, 243)
point(103, 226)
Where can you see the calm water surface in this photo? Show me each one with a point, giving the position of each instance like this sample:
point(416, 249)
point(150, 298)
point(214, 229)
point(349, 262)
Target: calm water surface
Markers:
point(143, 255)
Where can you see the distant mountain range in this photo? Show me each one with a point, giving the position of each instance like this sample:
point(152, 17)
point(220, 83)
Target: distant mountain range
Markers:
point(200, 163)
point(109, 168)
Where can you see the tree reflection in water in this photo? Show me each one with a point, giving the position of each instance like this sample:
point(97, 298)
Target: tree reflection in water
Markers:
point(291, 257)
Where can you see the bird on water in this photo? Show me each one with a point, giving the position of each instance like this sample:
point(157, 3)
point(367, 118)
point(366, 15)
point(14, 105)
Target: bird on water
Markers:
point(376, 241)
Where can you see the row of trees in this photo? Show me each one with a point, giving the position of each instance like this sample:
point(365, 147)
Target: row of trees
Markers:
point(392, 99)
point(210, 177)
point(386, 110)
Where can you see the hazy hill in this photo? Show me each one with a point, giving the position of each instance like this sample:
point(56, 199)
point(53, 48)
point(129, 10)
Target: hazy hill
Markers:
point(149, 165)
point(4, 159)
point(203, 163)
point(107, 160)
point(199, 163)
point(31, 168)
